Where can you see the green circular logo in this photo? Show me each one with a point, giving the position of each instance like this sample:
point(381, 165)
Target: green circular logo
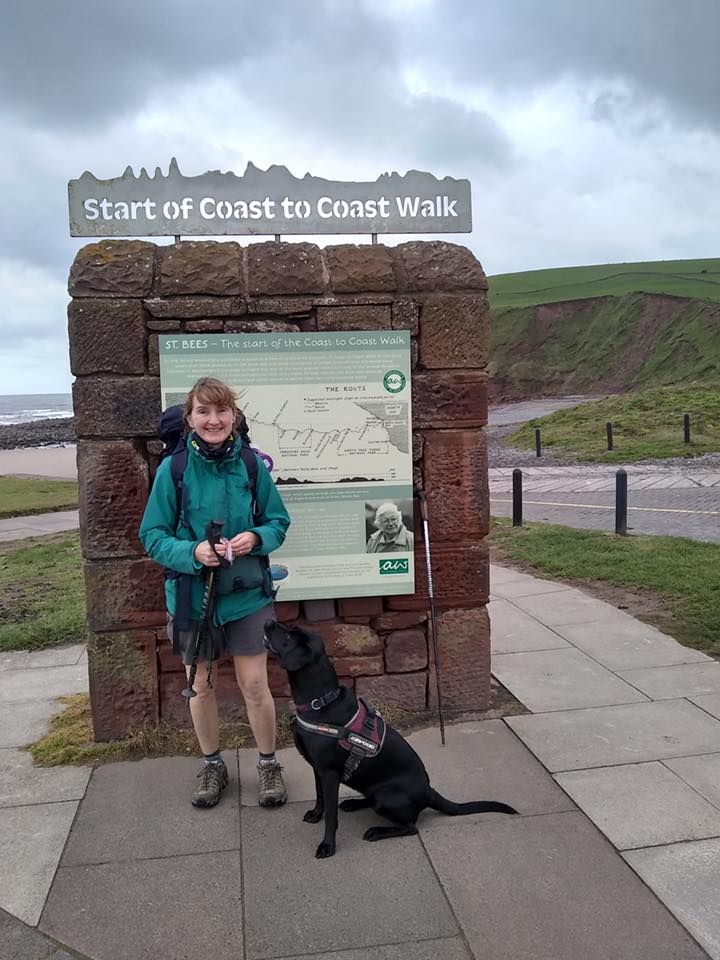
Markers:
point(394, 381)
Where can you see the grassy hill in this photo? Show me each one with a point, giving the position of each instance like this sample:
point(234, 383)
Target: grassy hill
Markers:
point(605, 329)
point(691, 279)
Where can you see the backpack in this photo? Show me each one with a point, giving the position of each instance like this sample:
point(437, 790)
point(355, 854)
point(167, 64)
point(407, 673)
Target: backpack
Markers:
point(171, 429)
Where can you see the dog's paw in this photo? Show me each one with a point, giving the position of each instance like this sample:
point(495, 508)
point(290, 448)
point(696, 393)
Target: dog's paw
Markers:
point(351, 804)
point(374, 833)
point(313, 816)
point(325, 850)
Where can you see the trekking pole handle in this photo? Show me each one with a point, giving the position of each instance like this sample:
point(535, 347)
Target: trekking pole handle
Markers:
point(213, 534)
point(422, 499)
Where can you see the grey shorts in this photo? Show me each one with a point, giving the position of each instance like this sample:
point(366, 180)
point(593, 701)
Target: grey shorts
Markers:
point(238, 638)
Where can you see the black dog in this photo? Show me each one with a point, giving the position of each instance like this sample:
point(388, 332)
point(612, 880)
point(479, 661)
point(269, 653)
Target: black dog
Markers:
point(344, 739)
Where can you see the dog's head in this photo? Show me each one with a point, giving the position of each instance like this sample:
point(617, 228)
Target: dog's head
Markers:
point(293, 647)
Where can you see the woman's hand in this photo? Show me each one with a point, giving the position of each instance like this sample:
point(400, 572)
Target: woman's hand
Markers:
point(207, 555)
point(243, 543)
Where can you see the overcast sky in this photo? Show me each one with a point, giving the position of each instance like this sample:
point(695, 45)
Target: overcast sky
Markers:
point(590, 130)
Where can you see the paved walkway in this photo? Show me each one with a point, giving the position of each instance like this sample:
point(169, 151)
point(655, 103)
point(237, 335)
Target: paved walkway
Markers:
point(615, 772)
point(678, 502)
point(38, 525)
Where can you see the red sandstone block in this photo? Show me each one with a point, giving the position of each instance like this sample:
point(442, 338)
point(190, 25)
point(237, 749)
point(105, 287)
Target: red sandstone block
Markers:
point(460, 573)
point(464, 647)
point(449, 399)
point(399, 620)
point(360, 607)
point(366, 317)
point(124, 593)
point(361, 268)
point(202, 267)
point(456, 484)
point(359, 666)
point(122, 670)
point(455, 331)
point(407, 690)
point(114, 484)
point(346, 639)
point(287, 610)
point(438, 265)
point(106, 336)
point(113, 268)
point(314, 610)
point(405, 651)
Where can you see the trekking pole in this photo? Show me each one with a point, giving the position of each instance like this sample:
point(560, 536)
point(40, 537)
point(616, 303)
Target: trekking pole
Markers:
point(213, 533)
point(433, 623)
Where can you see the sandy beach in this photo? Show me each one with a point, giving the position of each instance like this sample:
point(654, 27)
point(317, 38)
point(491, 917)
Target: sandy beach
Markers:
point(57, 463)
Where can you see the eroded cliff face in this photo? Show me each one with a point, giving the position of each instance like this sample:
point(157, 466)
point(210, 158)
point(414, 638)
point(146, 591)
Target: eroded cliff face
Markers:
point(603, 345)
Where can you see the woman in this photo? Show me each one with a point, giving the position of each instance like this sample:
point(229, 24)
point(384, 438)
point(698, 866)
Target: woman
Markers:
point(216, 487)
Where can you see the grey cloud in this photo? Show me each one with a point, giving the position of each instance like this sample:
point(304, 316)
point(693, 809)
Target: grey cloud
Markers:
point(661, 48)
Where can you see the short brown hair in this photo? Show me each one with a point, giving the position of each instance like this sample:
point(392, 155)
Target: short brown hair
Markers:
point(210, 390)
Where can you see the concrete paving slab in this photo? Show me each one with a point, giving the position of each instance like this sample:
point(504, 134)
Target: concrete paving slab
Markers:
point(711, 704)
point(500, 574)
point(607, 736)
point(484, 760)
point(623, 645)
point(31, 842)
point(560, 680)
point(141, 809)
point(514, 631)
point(447, 949)
point(21, 942)
point(526, 586)
point(568, 606)
point(683, 680)
point(686, 877)
point(21, 782)
point(174, 907)
point(550, 888)
point(38, 659)
point(366, 895)
point(46, 684)
point(23, 723)
point(641, 804)
point(702, 773)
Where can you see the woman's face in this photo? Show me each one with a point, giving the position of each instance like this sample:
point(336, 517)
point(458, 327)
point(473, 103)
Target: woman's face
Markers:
point(212, 423)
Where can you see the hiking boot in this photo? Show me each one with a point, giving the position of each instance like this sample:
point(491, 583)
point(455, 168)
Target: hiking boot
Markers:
point(213, 780)
point(272, 791)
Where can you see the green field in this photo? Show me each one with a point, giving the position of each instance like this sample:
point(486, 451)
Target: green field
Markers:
point(677, 581)
point(691, 279)
point(21, 496)
point(647, 423)
point(42, 593)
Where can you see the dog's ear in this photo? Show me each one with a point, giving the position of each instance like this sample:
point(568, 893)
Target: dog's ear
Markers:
point(296, 657)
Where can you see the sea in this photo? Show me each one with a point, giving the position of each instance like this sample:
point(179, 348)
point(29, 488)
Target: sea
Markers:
point(24, 407)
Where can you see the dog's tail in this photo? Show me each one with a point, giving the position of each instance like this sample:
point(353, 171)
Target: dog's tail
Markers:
point(437, 802)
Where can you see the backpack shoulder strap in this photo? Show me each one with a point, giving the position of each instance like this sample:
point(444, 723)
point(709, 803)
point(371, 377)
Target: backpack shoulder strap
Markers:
point(251, 465)
point(178, 463)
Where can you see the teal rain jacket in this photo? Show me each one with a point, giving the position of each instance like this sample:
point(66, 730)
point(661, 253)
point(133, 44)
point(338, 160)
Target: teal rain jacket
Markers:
point(216, 490)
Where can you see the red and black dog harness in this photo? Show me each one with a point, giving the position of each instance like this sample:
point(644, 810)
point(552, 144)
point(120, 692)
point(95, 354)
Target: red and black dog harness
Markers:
point(362, 737)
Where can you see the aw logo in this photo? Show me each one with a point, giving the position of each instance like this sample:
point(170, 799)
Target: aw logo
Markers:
point(397, 565)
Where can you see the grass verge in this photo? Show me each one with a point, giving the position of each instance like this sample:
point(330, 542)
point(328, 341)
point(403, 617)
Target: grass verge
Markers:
point(42, 595)
point(20, 496)
point(70, 739)
point(646, 424)
point(670, 582)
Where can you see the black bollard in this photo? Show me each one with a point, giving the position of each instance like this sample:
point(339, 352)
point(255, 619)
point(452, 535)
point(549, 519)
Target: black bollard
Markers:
point(517, 497)
point(538, 445)
point(621, 502)
point(609, 427)
point(686, 427)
